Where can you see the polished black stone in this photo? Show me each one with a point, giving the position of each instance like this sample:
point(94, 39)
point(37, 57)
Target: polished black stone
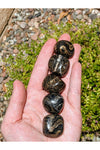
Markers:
point(53, 126)
point(53, 103)
point(53, 84)
point(65, 48)
point(59, 64)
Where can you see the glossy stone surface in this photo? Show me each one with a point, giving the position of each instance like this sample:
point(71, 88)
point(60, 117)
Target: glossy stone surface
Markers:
point(53, 103)
point(58, 64)
point(53, 126)
point(65, 48)
point(53, 84)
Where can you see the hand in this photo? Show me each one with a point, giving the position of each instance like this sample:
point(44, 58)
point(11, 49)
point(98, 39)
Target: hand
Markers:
point(25, 113)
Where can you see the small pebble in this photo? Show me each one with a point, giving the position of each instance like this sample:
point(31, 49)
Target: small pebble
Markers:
point(93, 16)
point(30, 28)
point(41, 36)
point(31, 23)
point(24, 39)
point(98, 15)
point(95, 11)
point(0, 90)
point(15, 27)
point(11, 42)
point(4, 38)
point(0, 49)
point(86, 17)
point(37, 14)
point(22, 25)
point(86, 11)
point(30, 17)
point(98, 139)
point(36, 24)
point(15, 51)
point(1, 62)
point(34, 36)
point(79, 17)
point(19, 18)
point(78, 12)
point(1, 79)
point(0, 70)
point(45, 25)
point(74, 16)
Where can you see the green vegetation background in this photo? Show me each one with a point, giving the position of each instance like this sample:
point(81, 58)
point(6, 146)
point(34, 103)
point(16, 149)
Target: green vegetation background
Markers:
point(88, 36)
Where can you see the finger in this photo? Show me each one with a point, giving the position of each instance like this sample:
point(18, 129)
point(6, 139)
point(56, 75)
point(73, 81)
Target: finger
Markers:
point(77, 48)
point(41, 66)
point(76, 55)
point(64, 36)
point(17, 102)
point(74, 91)
point(74, 59)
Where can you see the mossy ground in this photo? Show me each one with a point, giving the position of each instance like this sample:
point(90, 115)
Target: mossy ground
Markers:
point(20, 67)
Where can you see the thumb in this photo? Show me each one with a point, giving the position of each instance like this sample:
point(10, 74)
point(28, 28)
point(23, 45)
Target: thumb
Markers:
point(17, 103)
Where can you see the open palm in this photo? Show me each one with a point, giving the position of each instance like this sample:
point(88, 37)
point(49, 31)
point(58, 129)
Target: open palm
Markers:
point(24, 117)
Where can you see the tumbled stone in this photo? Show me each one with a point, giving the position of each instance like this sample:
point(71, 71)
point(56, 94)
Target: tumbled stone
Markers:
point(53, 83)
point(53, 103)
point(65, 48)
point(53, 126)
point(59, 64)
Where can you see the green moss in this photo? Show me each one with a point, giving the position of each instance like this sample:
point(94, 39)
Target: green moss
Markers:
point(20, 67)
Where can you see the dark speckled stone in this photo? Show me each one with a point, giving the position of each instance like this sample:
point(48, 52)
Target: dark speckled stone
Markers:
point(53, 84)
point(53, 103)
point(59, 64)
point(65, 48)
point(53, 126)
